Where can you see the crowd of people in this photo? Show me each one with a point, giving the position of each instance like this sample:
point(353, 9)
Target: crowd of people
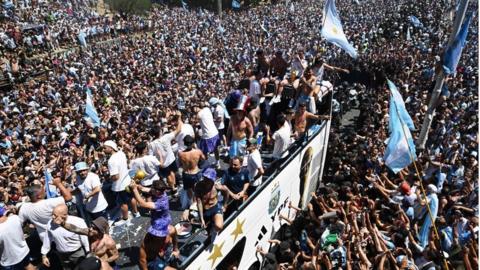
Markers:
point(188, 99)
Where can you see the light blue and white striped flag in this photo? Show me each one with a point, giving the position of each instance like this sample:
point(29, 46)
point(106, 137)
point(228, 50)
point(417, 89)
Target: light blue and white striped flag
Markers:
point(332, 29)
point(400, 147)
point(49, 188)
point(91, 112)
point(454, 51)
point(398, 108)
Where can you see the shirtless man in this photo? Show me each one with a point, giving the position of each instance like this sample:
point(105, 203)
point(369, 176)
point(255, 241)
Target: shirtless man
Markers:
point(254, 114)
point(307, 89)
point(291, 82)
point(189, 159)
point(209, 208)
point(239, 131)
point(278, 66)
point(101, 243)
point(302, 116)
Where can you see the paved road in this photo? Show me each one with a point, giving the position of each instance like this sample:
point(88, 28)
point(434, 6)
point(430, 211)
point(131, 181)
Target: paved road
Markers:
point(130, 236)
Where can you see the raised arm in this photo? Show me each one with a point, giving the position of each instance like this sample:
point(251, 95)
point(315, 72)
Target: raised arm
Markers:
point(66, 194)
point(74, 229)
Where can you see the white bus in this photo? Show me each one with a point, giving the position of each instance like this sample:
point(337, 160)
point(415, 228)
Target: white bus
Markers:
point(257, 220)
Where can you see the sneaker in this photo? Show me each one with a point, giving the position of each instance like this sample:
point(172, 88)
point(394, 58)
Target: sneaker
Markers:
point(136, 215)
point(120, 222)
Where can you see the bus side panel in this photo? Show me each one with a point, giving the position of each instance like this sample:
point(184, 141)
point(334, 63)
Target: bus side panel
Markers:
point(260, 219)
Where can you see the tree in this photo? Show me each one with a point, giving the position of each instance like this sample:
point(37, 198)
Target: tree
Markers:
point(127, 7)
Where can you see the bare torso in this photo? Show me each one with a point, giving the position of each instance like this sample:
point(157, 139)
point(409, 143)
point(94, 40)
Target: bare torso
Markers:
point(190, 160)
point(102, 246)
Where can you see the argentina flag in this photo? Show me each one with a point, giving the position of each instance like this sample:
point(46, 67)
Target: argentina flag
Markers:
point(91, 112)
point(332, 29)
point(397, 107)
point(454, 52)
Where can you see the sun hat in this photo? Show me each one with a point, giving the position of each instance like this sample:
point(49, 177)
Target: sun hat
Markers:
point(81, 166)
point(101, 224)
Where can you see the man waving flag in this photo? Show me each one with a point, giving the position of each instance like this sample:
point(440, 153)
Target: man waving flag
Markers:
point(332, 29)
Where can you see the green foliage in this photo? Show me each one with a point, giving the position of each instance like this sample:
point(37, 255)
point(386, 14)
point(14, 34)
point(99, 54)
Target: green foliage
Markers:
point(129, 6)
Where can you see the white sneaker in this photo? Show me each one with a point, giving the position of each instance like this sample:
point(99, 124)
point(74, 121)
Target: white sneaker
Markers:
point(120, 222)
point(137, 215)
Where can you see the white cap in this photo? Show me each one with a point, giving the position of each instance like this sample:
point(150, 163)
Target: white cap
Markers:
point(111, 144)
point(432, 188)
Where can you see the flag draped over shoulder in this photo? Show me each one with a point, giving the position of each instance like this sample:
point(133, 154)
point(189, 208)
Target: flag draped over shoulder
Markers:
point(454, 51)
point(400, 148)
point(399, 108)
point(332, 29)
point(91, 112)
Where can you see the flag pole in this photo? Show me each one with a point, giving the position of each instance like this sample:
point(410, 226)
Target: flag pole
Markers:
point(427, 122)
point(421, 182)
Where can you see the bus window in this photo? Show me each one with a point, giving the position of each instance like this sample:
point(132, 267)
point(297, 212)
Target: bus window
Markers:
point(234, 257)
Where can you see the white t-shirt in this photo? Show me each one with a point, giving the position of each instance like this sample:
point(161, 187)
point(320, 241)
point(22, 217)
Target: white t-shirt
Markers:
point(65, 241)
point(117, 165)
point(96, 203)
point(13, 246)
point(219, 112)
point(209, 130)
point(282, 142)
point(162, 149)
point(186, 129)
point(254, 162)
point(39, 213)
point(149, 164)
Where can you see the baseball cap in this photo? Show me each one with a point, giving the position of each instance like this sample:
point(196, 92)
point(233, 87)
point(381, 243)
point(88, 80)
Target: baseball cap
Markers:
point(432, 188)
point(111, 144)
point(81, 166)
point(213, 101)
point(252, 141)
